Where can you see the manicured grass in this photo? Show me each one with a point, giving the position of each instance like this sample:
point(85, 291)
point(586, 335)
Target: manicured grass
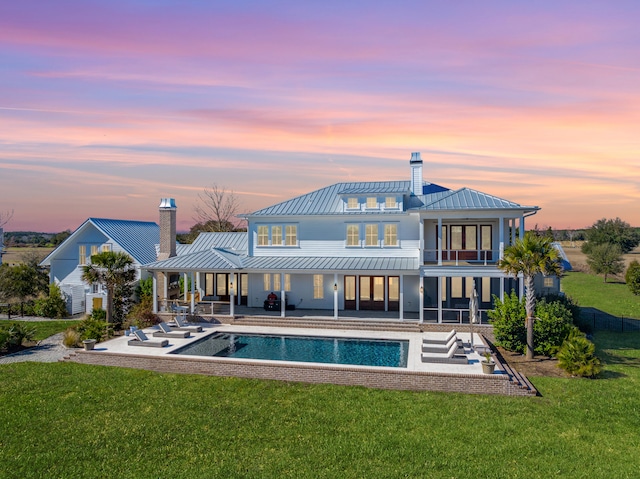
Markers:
point(70, 420)
point(44, 329)
point(590, 291)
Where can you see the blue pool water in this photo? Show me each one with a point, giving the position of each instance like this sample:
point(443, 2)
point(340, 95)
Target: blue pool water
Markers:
point(362, 352)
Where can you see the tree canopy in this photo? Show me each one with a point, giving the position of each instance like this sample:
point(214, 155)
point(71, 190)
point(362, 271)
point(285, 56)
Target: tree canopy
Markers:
point(612, 231)
point(605, 259)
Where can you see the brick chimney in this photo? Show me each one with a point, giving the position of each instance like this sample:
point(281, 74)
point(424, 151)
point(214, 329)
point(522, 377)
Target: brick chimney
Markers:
point(416, 173)
point(167, 228)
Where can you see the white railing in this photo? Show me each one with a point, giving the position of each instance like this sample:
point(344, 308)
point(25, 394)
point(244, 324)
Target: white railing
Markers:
point(481, 256)
point(453, 316)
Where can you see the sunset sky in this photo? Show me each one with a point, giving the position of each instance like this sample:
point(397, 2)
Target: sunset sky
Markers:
point(108, 106)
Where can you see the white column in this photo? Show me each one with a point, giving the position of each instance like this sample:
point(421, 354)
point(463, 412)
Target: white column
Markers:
point(193, 293)
point(502, 288)
point(439, 246)
point(185, 283)
point(501, 237)
point(421, 237)
point(166, 289)
point(155, 293)
point(401, 298)
point(335, 296)
point(283, 304)
point(439, 299)
point(232, 291)
point(421, 299)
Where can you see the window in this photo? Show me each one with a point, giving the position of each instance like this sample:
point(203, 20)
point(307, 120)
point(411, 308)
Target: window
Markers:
point(82, 254)
point(372, 202)
point(444, 288)
point(208, 284)
point(394, 288)
point(276, 235)
point(263, 236)
point(352, 203)
point(244, 284)
point(106, 247)
point(486, 289)
point(221, 284)
point(318, 286)
point(390, 202)
point(94, 249)
point(371, 235)
point(266, 280)
point(468, 283)
point(292, 235)
point(287, 282)
point(485, 237)
point(391, 235)
point(456, 287)
point(276, 282)
point(548, 282)
point(464, 237)
point(353, 235)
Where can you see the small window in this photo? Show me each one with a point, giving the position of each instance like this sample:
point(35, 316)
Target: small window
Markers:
point(548, 282)
point(318, 286)
point(372, 202)
point(353, 235)
point(94, 249)
point(390, 202)
point(352, 203)
point(292, 235)
point(106, 247)
point(391, 235)
point(82, 254)
point(371, 235)
point(263, 236)
point(276, 235)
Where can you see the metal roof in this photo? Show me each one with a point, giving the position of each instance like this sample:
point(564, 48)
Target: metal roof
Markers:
point(236, 241)
point(378, 187)
point(138, 238)
point(221, 260)
point(467, 199)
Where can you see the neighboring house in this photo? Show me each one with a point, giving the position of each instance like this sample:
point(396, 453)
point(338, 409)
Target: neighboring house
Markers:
point(388, 245)
point(138, 239)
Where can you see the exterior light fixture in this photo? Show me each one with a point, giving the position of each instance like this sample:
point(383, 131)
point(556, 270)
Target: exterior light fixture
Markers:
point(335, 286)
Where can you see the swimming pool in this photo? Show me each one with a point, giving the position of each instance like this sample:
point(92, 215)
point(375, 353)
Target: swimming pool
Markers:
point(312, 349)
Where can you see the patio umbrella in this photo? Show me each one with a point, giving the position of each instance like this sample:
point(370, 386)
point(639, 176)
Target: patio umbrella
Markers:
point(474, 310)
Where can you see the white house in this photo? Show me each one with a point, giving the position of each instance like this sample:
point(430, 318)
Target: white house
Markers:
point(139, 239)
point(407, 246)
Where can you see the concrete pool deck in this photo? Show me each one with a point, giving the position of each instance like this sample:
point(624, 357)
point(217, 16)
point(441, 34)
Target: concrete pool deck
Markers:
point(417, 375)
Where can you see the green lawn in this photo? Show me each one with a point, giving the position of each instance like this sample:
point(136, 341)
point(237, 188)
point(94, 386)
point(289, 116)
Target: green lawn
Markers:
point(590, 291)
point(44, 329)
point(71, 420)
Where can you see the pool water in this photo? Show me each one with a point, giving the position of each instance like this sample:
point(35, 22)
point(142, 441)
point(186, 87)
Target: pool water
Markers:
point(362, 352)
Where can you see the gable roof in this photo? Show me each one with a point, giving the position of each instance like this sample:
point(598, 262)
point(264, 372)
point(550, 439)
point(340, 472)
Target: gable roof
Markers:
point(467, 199)
point(137, 238)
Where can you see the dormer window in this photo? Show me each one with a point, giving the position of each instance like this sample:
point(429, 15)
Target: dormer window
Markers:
point(352, 203)
point(372, 202)
point(390, 202)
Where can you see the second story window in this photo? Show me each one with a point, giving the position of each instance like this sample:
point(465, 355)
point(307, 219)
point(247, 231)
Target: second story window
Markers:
point(390, 202)
point(276, 235)
point(106, 247)
point(82, 254)
point(292, 235)
point(371, 235)
point(352, 203)
point(353, 235)
point(263, 235)
point(94, 249)
point(391, 235)
point(372, 202)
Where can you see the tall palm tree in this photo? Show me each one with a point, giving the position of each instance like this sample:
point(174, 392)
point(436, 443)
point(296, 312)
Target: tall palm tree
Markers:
point(530, 256)
point(111, 269)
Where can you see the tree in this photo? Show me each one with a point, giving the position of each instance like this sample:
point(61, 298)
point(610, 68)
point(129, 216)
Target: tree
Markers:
point(217, 209)
point(531, 256)
point(615, 231)
point(112, 270)
point(22, 282)
point(632, 277)
point(605, 259)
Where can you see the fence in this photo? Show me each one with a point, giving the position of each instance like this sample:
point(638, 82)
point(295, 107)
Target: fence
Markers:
point(597, 320)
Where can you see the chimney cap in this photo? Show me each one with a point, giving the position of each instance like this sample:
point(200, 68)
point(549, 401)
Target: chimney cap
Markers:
point(415, 157)
point(167, 203)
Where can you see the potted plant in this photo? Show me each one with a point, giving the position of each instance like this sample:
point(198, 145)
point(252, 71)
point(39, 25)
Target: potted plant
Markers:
point(488, 364)
point(89, 344)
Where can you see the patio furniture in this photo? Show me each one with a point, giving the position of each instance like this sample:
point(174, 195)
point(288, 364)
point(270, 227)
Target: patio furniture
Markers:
point(182, 325)
point(143, 340)
point(439, 339)
point(166, 332)
point(428, 347)
point(451, 356)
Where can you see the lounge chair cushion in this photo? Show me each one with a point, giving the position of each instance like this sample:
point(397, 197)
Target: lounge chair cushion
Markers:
point(185, 327)
point(143, 340)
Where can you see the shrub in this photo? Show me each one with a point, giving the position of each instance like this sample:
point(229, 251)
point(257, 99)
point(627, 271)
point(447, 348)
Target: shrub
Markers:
point(14, 334)
point(93, 329)
point(632, 277)
point(577, 356)
point(142, 314)
point(98, 314)
point(52, 306)
point(508, 322)
point(144, 288)
point(550, 329)
point(71, 338)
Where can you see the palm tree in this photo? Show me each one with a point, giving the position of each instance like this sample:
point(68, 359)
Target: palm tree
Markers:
point(111, 269)
point(530, 256)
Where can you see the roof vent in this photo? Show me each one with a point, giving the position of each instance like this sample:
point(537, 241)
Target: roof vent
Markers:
point(167, 203)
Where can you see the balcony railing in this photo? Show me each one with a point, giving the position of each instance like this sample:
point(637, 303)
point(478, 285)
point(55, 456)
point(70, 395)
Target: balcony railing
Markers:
point(453, 316)
point(466, 256)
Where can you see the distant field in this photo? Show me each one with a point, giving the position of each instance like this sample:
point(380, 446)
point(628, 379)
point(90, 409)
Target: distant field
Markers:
point(578, 259)
point(14, 255)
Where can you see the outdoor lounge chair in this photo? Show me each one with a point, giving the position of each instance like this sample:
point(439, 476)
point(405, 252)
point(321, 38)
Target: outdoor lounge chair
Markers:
point(166, 332)
point(450, 356)
point(428, 347)
point(183, 326)
point(143, 340)
point(441, 340)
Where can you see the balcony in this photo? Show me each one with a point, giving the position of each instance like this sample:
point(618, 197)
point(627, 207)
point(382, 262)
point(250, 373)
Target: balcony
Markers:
point(453, 257)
